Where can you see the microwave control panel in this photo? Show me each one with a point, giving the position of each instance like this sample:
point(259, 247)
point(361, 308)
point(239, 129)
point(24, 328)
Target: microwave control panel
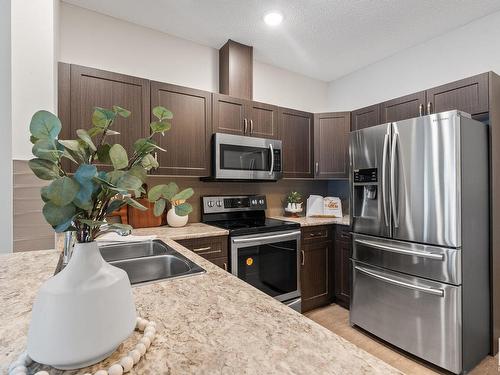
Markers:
point(277, 161)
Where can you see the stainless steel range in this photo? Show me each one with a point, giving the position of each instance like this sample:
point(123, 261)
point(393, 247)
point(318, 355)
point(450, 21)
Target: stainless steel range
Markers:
point(264, 252)
point(420, 206)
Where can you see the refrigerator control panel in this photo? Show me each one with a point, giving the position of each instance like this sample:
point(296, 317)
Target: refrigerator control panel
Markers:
point(365, 175)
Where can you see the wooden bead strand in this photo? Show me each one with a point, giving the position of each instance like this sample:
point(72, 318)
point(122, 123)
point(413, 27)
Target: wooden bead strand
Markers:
point(124, 365)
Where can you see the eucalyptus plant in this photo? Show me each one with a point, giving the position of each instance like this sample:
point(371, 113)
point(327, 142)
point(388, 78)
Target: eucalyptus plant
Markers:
point(294, 197)
point(81, 201)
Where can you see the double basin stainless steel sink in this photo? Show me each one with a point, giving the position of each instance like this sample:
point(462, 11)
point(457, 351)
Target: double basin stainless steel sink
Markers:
point(148, 261)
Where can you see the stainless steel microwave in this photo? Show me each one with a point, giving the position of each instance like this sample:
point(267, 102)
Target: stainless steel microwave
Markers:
point(237, 157)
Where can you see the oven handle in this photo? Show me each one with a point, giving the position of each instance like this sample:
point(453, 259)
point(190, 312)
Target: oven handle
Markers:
point(272, 159)
point(436, 292)
point(265, 238)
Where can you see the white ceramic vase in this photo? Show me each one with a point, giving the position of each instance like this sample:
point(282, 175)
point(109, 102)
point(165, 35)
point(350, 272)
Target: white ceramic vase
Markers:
point(175, 220)
point(83, 313)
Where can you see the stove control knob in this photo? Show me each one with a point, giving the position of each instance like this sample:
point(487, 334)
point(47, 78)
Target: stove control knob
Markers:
point(254, 201)
point(210, 203)
point(261, 201)
point(219, 204)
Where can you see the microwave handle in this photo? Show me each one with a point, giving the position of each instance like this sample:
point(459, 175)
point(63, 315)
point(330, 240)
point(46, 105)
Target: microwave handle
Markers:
point(272, 159)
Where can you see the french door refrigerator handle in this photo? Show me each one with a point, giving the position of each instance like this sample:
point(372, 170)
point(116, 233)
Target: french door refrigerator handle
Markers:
point(421, 254)
point(436, 292)
point(272, 159)
point(395, 137)
point(384, 167)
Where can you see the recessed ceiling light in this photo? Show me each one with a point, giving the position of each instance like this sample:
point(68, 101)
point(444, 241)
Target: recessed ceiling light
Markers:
point(273, 18)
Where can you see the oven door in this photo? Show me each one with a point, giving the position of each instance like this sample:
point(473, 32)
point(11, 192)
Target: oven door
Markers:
point(246, 158)
point(270, 262)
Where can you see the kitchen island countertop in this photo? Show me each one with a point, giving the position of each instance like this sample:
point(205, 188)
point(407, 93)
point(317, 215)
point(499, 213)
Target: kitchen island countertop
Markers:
point(212, 323)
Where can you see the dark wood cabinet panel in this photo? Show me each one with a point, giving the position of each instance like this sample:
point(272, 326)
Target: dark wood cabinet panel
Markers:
point(207, 247)
point(297, 135)
point(366, 117)
point(331, 145)
point(469, 95)
point(228, 115)
point(343, 269)
point(402, 108)
point(97, 88)
point(262, 120)
point(316, 267)
point(221, 262)
point(236, 70)
point(188, 141)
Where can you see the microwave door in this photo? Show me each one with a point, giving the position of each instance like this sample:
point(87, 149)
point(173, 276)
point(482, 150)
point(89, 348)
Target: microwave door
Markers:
point(370, 165)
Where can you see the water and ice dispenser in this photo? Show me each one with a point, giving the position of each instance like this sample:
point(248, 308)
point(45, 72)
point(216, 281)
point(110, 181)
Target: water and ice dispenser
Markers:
point(365, 193)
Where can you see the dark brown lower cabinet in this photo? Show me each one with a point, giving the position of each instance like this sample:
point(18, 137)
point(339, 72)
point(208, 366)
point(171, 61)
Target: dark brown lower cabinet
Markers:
point(343, 269)
point(316, 268)
point(214, 249)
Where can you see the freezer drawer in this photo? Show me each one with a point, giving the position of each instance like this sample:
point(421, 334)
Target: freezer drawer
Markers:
point(420, 316)
point(431, 262)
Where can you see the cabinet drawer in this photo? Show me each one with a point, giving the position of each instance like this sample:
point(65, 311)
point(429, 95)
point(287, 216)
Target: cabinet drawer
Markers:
point(207, 247)
point(342, 233)
point(315, 233)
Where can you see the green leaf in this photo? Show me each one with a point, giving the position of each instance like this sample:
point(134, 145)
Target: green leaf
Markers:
point(33, 139)
point(102, 117)
point(62, 191)
point(149, 162)
point(169, 191)
point(43, 194)
point(120, 226)
point(155, 192)
point(45, 125)
point(91, 223)
point(144, 146)
point(162, 113)
point(112, 132)
point(159, 207)
point(95, 131)
point(115, 205)
point(135, 204)
point(129, 182)
point(103, 154)
point(56, 215)
point(160, 126)
point(71, 144)
point(46, 149)
point(138, 172)
point(84, 136)
point(183, 209)
point(44, 169)
point(64, 226)
point(118, 156)
point(183, 195)
point(121, 111)
point(85, 175)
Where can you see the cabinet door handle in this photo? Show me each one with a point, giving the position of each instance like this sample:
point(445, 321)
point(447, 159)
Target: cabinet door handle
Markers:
point(421, 109)
point(225, 266)
point(317, 167)
point(202, 249)
point(429, 108)
point(303, 257)
point(251, 127)
point(245, 126)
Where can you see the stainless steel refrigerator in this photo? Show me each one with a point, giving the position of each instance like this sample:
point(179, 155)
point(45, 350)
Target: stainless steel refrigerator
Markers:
point(420, 222)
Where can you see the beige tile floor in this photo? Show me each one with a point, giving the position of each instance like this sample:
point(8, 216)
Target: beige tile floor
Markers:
point(336, 319)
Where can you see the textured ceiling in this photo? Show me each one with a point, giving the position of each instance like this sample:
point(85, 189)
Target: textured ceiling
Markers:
point(323, 39)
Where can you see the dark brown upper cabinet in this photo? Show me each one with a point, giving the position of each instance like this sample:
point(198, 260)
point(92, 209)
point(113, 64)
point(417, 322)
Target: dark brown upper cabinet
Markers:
point(331, 145)
point(236, 70)
point(297, 135)
point(244, 117)
point(469, 95)
point(402, 108)
point(89, 88)
point(188, 141)
point(366, 117)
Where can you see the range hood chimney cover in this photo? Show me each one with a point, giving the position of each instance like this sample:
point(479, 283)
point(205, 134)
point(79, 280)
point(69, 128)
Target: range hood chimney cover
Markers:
point(236, 70)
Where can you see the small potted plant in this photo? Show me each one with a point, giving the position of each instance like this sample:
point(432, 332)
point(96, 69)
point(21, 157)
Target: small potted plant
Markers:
point(294, 203)
point(177, 215)
point(85, 311)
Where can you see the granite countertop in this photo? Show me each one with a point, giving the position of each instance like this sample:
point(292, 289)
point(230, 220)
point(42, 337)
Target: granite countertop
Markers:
point(212, 323)
point(311, 221)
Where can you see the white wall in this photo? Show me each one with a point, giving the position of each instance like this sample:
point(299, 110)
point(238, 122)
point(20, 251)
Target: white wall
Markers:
point(92, 39)
point(6, 129)
point(34, 68)
point(466, 51)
